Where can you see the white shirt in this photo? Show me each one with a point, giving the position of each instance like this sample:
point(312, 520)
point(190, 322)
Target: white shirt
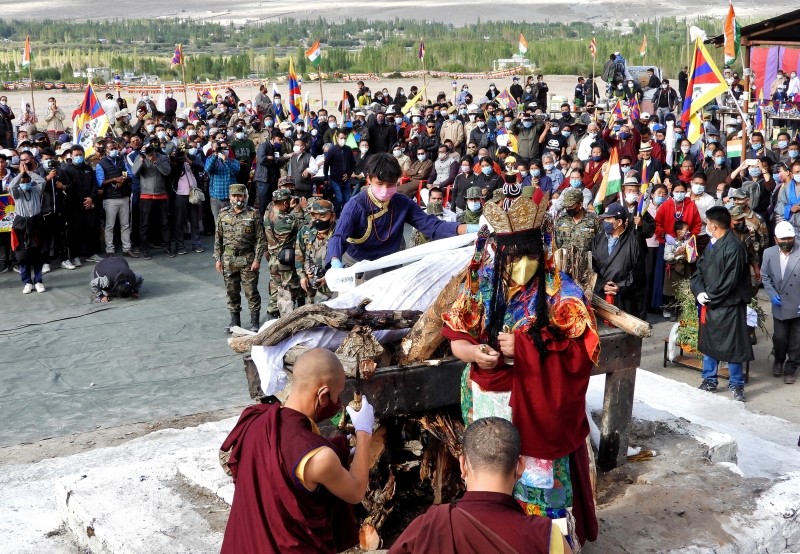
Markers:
point(703, 203)
point(794, 86)
point(784, 258)
point(585, 148)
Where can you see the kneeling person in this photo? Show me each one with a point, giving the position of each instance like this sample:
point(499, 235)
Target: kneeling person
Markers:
point(113, 276)
point(487, 518)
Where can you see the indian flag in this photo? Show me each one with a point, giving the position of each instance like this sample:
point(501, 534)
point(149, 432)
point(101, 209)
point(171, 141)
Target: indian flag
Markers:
point(26, 54)
point(643, 47)
point(612, 180)
point(733, 36)
point(523, 44)
point(734, 148)
point(314, 54)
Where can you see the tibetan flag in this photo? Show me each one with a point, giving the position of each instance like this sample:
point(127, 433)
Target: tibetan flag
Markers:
point(691, 249)
point(593, 47)
point(705, 83)
point(643, 47)
point(634, 110)
point(314, 54)
point(90, 123)
point(26, 53)
point(733, 36)
point(506, 100)
point(413, 102)
point(612, 180)
point(421, 53)
point(616, 113)
point(758, 124)
point(295, 98)
point(523, 44)
point(177, 57)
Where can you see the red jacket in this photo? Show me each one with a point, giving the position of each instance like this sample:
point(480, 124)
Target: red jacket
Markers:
point(666, 217)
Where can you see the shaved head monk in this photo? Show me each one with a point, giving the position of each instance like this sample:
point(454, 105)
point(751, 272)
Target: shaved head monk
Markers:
point(293, 489)
point(487, 518)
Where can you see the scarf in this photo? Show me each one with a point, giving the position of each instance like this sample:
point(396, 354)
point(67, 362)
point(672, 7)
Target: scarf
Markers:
point(791, 194)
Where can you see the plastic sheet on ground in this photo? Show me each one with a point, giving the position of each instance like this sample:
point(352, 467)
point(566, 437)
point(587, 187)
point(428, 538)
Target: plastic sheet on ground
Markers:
point(412, 287)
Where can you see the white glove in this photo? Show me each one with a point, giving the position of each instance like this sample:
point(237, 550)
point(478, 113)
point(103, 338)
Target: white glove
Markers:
point(702, 299)
point(364, 419)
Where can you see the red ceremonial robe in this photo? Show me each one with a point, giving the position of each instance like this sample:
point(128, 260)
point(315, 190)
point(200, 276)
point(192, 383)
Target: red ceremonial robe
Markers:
point(481, 522)
point(271, 510)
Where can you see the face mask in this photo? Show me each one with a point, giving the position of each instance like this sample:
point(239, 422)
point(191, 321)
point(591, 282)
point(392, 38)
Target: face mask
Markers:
point(472, 117)
point(384, 193)
point(239, 204)
point(442, 156)
point(277, 101)
point(527, 124)
point(554, 130)
point(462, 111)
point(363, 150)
point(592, 135)
point(685, 149)
point(678, 136)
point(192, 133)
point(421, 157)
point(321, 224)
point(341, 142)
point(113, 153)
point(26, 187)
point(473, 206)
point(241, 109)
point(664, 87)
point(34, 151)
point(575, 183)
point(659, 200)
point(757, 146)
point(528, 89)
point(240, 136)
point(77, 160)
point(150, 128)
point(314, 132)
point(400, 92)
point(697, 190)
point(719, 160)
point(486, 170)
point(269, 123)
point(481, 124)
point(523, 174)
point(783, 144)
point(192, 151)
point(624, 136)
point(740, 226)
point(3, 103)
point(295, 149)
point(572, 212)
point(796, 177)
point(548, 167)
point(608, 227)
point(786, 246)
point(631, 197)
point(536, 172)
point(566, 134)
point(620, 87)
point(754, 171)
point(679, 196)
point(492, 88)
point(507, 124)
point(597, 158)
point(397, 152)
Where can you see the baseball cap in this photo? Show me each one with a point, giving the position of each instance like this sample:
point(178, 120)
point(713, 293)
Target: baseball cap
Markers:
point(784, 230)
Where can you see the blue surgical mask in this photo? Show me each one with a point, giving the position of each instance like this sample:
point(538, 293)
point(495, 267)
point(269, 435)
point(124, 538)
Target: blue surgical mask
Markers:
point(679, 196)
point(486, 170)
point(473, 206)
point(421, 157)
point(26, 187)
point(452, 117)
point(192, 151)
point(113, 153)
point(625, 169)
point(527, 124)
point(523, 174)
point(719, 160)
point(659, 200)
point(757, 146)
point(783, 144)
point(678, 136)
point(796, 177)
point(754, 171)
point(548, 167)
point(566, 134)
point(793, 153)
point(77, 160)
point(270, 123)
point(608, 227)
point(776, 176)
point(597, 158)
point(536, 172)
point(575, 183)
point(624, 135)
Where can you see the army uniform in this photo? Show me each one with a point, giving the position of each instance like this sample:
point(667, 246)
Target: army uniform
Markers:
point(240, 241)
point(580, 234)
point(284, 284)
point(310, 251)
point(468, 216)
point(754, 238)
point(433, 208)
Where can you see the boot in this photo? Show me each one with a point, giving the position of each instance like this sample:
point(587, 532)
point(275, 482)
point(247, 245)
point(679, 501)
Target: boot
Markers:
point(301, 300)
point(273, 315)
point(236, 321)
point(254, 321)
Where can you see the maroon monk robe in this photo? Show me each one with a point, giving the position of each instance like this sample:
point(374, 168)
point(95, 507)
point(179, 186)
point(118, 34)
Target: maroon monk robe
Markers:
point(271, 510)
point(481, 522)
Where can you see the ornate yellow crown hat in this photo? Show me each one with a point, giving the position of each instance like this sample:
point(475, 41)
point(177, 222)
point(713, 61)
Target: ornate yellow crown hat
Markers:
point(525, 214)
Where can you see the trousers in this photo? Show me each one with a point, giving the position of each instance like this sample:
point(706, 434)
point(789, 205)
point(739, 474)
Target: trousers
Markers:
point(786, 340)
point(710, 366)
point(148, 209)
point(237, 275)
point(183, 209)
point(117, 208)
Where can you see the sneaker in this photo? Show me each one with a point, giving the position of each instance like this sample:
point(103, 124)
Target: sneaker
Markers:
point(199, 249)
point(738, 393)
point(45, 268)
point(66, 264)
point(130, 254)
point(27, 289)
point(95, 259)
point(789, 378)
point(170, 252)
point(146, 254)
point(39, 287)
point(181, 252)
point(777, 369)
point(708, 385)
point(76, 262)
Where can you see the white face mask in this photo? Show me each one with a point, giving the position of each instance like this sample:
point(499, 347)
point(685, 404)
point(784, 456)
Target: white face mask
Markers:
point(473, 206)
point(240, 135)
point(631, 197)
point(295, 149)
point(340, 142)
point(397, 153)
point(698, 189)
point(685, 149)
point(363, 150)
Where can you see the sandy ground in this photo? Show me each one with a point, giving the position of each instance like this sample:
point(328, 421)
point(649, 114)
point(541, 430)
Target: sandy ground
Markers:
point(457, 12)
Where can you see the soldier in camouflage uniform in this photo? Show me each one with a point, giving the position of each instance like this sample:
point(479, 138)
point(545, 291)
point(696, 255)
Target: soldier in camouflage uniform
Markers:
point(747, 230)
point(239, 245)
point(470, 215)
point(577, 226)
point(311, 248)
point(281, 229)
point(755, 223)
point(433, 208)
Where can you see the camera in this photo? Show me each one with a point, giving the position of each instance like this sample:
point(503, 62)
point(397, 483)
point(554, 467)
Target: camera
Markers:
point(315, 274)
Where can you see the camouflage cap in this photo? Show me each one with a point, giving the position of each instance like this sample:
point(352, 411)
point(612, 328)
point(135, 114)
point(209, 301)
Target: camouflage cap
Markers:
point(474, 192)
point(281, 195)
point(527, 192)
point(238, 189)
point(738, 193)
point(320, 206)
point(286, 181)
point(435, 208)
point(737, 212)
point(571, 197)
point(497, 195)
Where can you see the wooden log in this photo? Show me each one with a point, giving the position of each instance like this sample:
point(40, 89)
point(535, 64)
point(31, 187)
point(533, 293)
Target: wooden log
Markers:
point(425, 337)
point(290, 358)
point(625, 321)
point(320, 315)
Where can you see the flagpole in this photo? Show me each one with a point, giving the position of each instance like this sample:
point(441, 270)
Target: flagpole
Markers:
point(183, 75)
point(30, 74)
point(319, 78)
